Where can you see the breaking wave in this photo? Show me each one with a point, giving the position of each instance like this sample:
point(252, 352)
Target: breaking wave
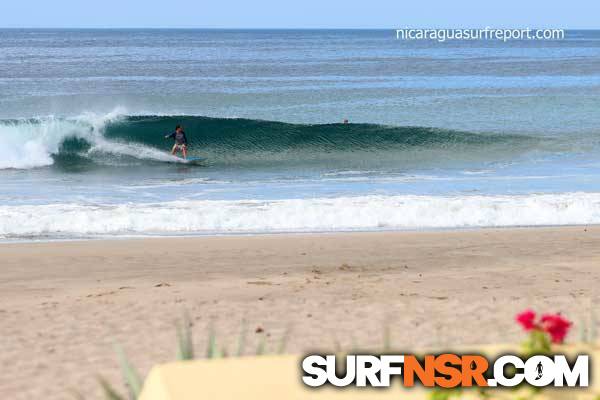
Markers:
point(90, 138)
point(299, 215)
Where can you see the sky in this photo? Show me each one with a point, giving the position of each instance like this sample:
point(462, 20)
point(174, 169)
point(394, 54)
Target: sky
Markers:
point(300, 14)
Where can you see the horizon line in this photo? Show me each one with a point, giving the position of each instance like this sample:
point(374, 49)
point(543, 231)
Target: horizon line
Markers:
point(276, 28)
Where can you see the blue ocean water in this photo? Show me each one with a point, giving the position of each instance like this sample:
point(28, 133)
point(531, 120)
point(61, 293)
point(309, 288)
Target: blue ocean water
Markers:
point(440, 135)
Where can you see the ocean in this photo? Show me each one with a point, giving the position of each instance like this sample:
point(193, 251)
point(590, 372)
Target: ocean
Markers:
point(460, 134)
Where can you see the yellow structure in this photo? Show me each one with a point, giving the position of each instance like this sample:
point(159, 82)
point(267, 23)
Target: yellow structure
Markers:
point(279, 378)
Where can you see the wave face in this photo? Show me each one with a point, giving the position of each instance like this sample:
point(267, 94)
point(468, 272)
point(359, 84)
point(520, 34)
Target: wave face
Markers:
point(236, 142)
point(298, 215)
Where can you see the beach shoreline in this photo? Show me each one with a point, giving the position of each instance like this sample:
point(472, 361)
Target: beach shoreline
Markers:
point(63, 305)
point(242, 234)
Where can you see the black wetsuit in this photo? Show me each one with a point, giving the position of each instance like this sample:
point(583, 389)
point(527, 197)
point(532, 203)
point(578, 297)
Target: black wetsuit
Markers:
point(179, 137)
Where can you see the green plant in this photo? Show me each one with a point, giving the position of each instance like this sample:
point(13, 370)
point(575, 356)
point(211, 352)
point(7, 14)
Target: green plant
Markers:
point(185, 351)
point(445, 394)
point(283, 341)
point(260, 350)
point(212, 351)
point(242, 340)
point(130, 376)
point(537, 342)
point(387, 338)
point(542, 331)
point(587, 328)
point(109, 392)
point(185, 348)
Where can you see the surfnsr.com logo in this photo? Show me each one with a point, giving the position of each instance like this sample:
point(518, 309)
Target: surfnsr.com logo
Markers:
point(445, 371)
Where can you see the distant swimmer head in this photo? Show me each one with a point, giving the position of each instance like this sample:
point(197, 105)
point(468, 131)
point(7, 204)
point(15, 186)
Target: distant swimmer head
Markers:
point(345, 121)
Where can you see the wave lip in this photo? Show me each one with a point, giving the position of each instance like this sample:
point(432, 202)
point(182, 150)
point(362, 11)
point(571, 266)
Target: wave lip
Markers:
point(299, 215)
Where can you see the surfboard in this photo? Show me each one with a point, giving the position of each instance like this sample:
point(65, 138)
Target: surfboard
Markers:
point(190, 160)
point(194, 160)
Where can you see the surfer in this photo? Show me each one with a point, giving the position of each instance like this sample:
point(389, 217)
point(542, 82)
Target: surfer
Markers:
point(540, 371)
point(180, 141)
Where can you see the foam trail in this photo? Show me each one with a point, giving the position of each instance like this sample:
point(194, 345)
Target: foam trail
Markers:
point(138, 151)
point(300, 215)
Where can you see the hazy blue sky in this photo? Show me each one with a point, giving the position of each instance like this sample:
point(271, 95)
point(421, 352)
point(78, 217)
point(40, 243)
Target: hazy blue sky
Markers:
point(300, 14)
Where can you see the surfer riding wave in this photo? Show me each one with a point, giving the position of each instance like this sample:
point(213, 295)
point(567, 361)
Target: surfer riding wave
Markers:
point(180, 141)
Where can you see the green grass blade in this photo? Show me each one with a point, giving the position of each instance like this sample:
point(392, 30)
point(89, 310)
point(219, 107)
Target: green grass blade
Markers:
point(185, 348)
point(109, 392)
point(445, 394)
point(387, 338)
point(242, 340)
point(283, 341)
point(582, 332)
point(132, 378)
point(212, 351)
point(593, 331)
point(260, 350)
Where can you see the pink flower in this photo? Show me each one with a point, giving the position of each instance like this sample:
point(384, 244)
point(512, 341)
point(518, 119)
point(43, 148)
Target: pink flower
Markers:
point(556, 326)
point(526, 319)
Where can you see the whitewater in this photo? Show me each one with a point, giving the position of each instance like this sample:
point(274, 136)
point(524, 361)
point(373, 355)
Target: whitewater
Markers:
point(298, 215)
point(31, 143)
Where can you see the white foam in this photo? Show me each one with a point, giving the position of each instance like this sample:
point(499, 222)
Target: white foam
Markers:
point(31, 143)
point(26, 144)
point(141, 152)
point(300, 215)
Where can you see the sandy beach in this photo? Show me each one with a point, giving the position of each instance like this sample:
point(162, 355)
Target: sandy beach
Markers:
point(64, 305)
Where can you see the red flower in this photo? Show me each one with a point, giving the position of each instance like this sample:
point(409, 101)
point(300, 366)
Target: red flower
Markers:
point(556, 326)
point(527, 319)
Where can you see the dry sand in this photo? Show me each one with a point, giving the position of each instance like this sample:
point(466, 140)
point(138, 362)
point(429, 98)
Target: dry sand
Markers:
point(64, 305)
